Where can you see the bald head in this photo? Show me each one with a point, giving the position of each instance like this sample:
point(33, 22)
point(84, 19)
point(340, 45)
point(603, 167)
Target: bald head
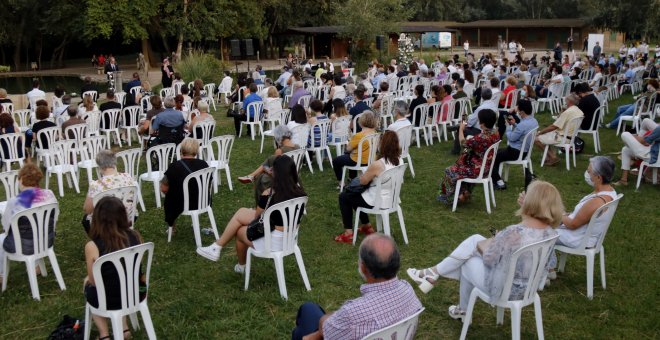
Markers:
point(380, 255)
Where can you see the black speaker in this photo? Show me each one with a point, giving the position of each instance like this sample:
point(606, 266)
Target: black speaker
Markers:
point(235, 48)
point(248, 48)
point(380, 42)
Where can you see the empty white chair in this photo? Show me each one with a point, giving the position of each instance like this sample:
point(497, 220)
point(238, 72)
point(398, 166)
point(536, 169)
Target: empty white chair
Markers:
point(210, 89)
point(131, 160)
point(60, 161)
point(340, 132)
point(567, 142)
point(304, 101)
point(128, 196)
point(78, 133)
point(127, 263)
point(539, 252)
point(387, 110)
point(274, 119)
point(130, 121)
point(45, 138)
point(219, 160)
point(93, 94)
point(9, 180)
point(166, 92)
point(299, 136)
point(22, 119)
point(163, 154)
point(39, 218)
point(482, 178)
point(523, 159)
point(91, 147)
point(371, 141)
point(593, 130)
point(635, 119)
point(8, 107)
point(404, 135)
point(111, 118)
point(601, 217)
point(383, 208)
point(645, 164)
point(176, 86)
point(93, 119)
point(319, 133)
point(120, 97)
point(12, 149)
point(291, 211)
point(402, 330)
point(254, 115)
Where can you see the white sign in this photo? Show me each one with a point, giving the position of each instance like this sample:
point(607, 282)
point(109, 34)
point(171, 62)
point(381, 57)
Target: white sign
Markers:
point(445, 39)
point(593, 38)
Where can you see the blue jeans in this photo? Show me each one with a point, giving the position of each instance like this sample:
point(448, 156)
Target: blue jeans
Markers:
point(623, 110)
point(307, 320)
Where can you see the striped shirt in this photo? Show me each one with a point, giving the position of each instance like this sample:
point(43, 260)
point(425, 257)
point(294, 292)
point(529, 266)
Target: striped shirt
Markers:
point(381, 304)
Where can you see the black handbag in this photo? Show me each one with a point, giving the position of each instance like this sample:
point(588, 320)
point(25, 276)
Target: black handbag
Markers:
point(355, 187)
point(255, 230)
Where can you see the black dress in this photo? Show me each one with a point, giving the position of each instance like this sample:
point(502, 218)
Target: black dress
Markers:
point(166, 79)
point(175, 174)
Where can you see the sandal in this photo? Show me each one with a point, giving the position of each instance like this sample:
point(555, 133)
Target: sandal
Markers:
point(366, 229)
point(246, 179)
point(130, 335)
point(104, 338)
point(343, 238)
point(464, 197)
point(423, 278)
point(456, 313)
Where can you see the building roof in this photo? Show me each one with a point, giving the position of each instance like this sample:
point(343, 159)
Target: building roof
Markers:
point(405, 27)
point(522, 23)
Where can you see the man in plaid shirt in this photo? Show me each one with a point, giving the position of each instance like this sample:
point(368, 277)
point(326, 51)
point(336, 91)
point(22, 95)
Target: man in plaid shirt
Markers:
point(385, 299)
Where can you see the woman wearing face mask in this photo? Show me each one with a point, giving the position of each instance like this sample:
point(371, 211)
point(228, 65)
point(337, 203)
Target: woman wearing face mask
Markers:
point(574, 225)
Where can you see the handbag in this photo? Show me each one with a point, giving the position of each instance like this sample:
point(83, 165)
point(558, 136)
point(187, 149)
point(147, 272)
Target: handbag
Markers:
point(255, 230)
point(355, 187)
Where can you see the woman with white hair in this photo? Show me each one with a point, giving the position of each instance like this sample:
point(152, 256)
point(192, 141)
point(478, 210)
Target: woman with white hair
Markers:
point(110, 179)
point(202, 116)
point(262, 176)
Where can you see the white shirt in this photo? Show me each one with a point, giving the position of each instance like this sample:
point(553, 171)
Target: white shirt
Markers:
point(486, 69)
point(466, 46)
point(572, 238)
point(35, 93)
point(331, 67)
point(632, 51)
point(399, 123)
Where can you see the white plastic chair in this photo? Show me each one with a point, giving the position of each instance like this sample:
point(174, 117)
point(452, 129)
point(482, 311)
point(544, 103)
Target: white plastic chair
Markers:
point(201, 179)
point(254, 121)
point(482, 178)
point(60, 162)
point(300, 135)
point(594, 128)
point(220, 160)
point(49, 136)
point(91, 147)
point(93, 94)
point(9, 180)
point(291, 211)
point(645, 164)
point(39, 218)
point(126, 194)
point(33, 102)
point(93, 119)
point(297, 157)
point(113, 124)
point(437, 119)
point(164, 154)
point(539, 253)
point(635, 119)
point(8, 107)
point(387, 110)
point(78, 133)
point(131, 160)
point(421, 110)
point(210, 88)
point(602, 216)
point(372, 141)
point(127, 263)
point(402, 330)
point(323, 128)
point(130, 119)
point(166, 92)
point(304, 101)
point(206, 130)
point(382, 209)
point(274, 119)
point(225, 88)
point(567, 142)
point(134, 91)
point(523, 159)
point(340, 133)
point(120, 97)
point(14, 151)
point(22, 119)
point(404, 135)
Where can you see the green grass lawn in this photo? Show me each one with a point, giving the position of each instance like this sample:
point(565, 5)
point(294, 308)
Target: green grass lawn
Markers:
point(191, 297)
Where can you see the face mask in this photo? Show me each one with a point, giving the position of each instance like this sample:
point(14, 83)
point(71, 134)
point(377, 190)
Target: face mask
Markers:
point(523, 93)
point(587, 178)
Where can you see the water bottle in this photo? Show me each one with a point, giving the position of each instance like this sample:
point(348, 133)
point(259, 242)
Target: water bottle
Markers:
point(207, 231)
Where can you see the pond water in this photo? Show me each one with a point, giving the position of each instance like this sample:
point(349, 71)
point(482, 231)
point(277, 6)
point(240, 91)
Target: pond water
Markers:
point(21, 85)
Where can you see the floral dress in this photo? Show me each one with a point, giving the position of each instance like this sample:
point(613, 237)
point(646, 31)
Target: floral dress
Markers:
point(469, 163)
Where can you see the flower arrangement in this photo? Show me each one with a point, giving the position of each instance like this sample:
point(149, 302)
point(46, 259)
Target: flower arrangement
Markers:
point(406, 49)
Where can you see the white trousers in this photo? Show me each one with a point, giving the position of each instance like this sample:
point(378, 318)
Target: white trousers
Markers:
point(466, 265)
point(633, 148)
point(2, 252)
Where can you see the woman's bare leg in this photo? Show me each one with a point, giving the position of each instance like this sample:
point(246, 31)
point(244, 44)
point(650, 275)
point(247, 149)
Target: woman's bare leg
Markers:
point(257, 172)
point(242, 245)
point(241, 218)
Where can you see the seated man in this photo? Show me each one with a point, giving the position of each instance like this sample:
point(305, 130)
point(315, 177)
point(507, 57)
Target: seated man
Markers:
point(552, 135)
point(250, 97)
point(74, 119)
point(130, 99)
point(169, 123)
point(385, 298)
point(400, 114)
point(643, 146)
point(629, 109)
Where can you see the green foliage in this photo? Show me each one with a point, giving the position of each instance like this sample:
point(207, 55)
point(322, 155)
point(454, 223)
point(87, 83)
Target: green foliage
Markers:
point(5, 68)
point(363, 20)
point(200, 65)
point(103, 18)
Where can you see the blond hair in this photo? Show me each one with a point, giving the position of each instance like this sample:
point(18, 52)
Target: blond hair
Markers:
point(272, 92)
point(368, 120)
point(542, 202)
point(189, 147)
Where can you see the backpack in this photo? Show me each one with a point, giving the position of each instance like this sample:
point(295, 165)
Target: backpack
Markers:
point(68, 329)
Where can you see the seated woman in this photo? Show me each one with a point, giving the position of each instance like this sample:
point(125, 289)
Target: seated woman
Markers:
point(552, 85)
point(298, 117)
point(574, 225)
point(390, 154)
point(469, 162)
point(156, 108)
point(8, 125)
point(42, 114)
point(368, 121)
point(172, 183)
point(286, 186)
point(263, 175)
point(273, 102)
point(88, 105)
point(415, 116)
point(202, 116)
point(110, 232)
point(484, 263)
point(110, 179)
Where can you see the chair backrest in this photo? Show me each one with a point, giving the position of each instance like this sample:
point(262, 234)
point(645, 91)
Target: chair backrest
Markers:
point(77, 132)
point(254, 111)
point(9, 181)
point(92, 146)
point(291, 212)
point(599, 224)
point(93, 94)
point(11, 147)
point(121, 98)
point(64, 153)
point(355, 121)
point(209, 88)
point(206, 128)
point(341, 128)
point(145, 103)
point(166, 92)
point(203, 180)
point(297, 157)
point(286, 115)
point(573, 124)
point(8, 107)
point(300, 135)
point(131, 116)
point(135, 90)
point(93, 119)
point(127, 263)
point(48, 135)
point(39, 218)
point(598, 113)
point(131, 160)
point(241, 90)
point(370, 141)
point(420, 112)
point(22, 118)
point(112, 118)
point(177, 87)
point(304, 101)
point(528, 144)
point(393, 178)
point(539, 253)
point(402, 330)
point(223, 145)
point(511, 99)
point(405, 137)
point(128, 196)
point(163, 154)
point(488, 160)
point(639, 105)
point(34, 100)
point(319, 133)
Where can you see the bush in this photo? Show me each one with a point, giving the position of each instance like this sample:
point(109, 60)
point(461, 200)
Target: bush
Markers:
point(4, 68)
point(200, 65)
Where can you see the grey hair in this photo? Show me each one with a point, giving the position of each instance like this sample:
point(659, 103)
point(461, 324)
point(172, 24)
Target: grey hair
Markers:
point(106, 159)
point(189, 147)
point(573, 98)
point(380, 263)
point(203, 106)
point(603, 166)
point(268, 81)
point(280, 133)
point(363, 76)
point(401, 108)
point(486, 94)
point(169, 102)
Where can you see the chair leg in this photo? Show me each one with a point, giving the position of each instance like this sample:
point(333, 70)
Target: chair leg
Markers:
point(74, 178)
point(639, 176)
point(32, 276)
point(135, 324)
point(195, 225)
point(157, 194)
point(417, 137)
point(515, 322)
point(590, 275)
point(281, 283)
point(602, 267)
point(140, 199)
point(146, 319)
point(562, 262)
point(410, 165)
point(309, 162)
point(567, 155)
point(42, 267)
point(60, 184)
point(539, 317)
point(56, 268)
point(467, 320)
point(4, 262)
point(492, 192)
point(228, 173)
point(487, 196)
point(343, 179)
point(301, 266)
point(261, 148)
point(458, 189)
point(545, 153)
point(500, 316)
point(88, 322)
point(402, 224)
point(358, 211)
point(386, 224)
point(117, 327)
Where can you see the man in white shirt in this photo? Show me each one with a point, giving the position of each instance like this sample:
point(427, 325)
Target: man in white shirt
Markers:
point(512, 47)
point(423, 68)
point(451, 68)
point(35, 92)
point(282, 80)
point(632, 51)
point(400, 112)
point(466, 47)
point(487, 68)
point(364, 80)
point(644, 49)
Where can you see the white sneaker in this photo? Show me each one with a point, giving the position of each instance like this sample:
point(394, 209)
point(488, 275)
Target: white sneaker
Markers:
point(211, 252)
point(456, 313)
point(239, 268)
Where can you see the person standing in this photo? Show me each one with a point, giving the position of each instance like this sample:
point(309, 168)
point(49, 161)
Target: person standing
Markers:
point(466, 47)
point(585, 44)
point(569, 42)
point(596, 51)
point(167, 72)
point(557, 53)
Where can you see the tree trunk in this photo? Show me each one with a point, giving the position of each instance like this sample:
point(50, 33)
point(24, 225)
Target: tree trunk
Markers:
point(179, 44)
point(146, 52)
point(40, 49)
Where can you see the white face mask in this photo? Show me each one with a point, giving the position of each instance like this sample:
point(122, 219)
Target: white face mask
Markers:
point(523, 93)
point(587, 178)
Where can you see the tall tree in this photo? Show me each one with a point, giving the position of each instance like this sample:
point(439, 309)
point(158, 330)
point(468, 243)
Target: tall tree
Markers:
point(363, 20)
